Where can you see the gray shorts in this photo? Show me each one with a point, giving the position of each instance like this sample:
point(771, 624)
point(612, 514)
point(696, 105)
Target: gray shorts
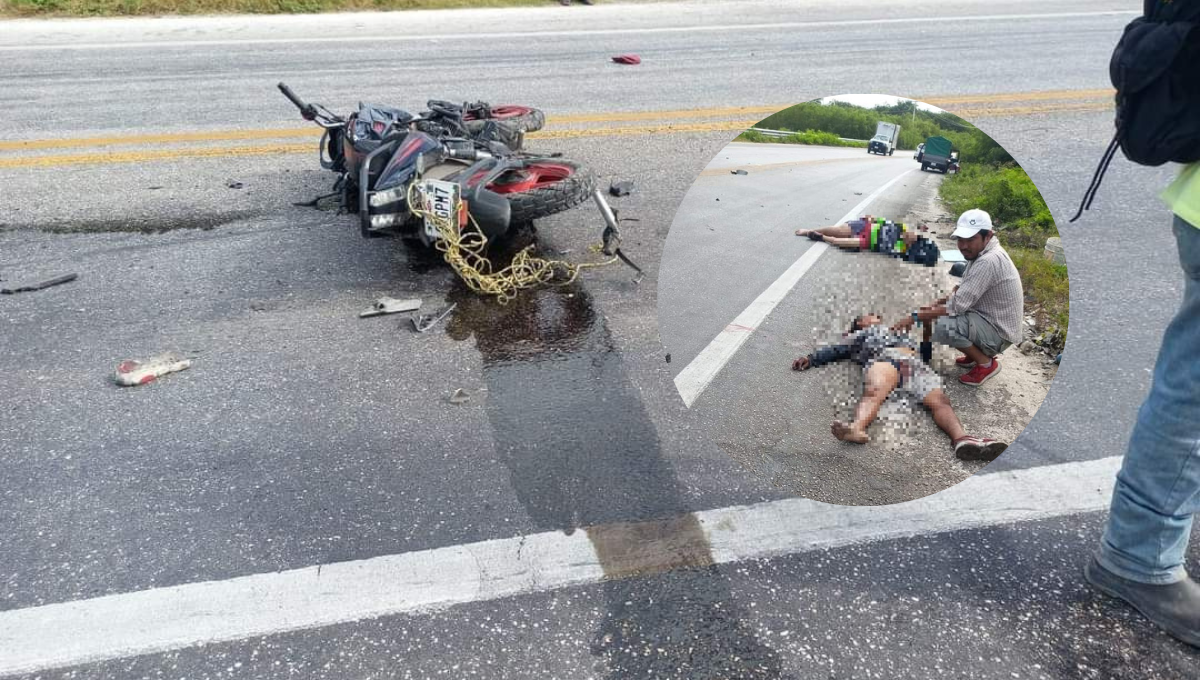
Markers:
point(969, 329)
point(917, 379)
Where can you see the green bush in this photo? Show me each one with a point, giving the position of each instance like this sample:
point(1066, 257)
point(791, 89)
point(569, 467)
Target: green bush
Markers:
point(1046, 284)
point(815, 137)
point(1009, 196)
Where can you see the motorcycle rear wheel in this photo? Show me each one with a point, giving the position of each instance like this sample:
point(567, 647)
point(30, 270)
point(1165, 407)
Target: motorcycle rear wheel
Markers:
point(544, 187)
point(525, 118)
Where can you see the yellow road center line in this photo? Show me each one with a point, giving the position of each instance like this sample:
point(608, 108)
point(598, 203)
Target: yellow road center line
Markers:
point(1019, 97)
point(1027, 110)
point(304, 132)
point(222, 152)
point(268, 149)
point(141, 156)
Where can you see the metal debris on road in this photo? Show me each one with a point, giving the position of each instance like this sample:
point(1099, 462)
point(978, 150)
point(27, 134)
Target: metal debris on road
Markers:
point(38, 286)
point(460, 396)
point(622, 188)
point(135, 372)
point(426, 321)
point(389, 305)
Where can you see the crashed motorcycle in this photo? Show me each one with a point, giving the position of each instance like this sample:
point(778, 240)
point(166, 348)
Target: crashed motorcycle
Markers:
point(470, 156)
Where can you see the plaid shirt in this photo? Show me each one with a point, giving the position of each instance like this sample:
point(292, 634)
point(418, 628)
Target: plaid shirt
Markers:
point(991, 287)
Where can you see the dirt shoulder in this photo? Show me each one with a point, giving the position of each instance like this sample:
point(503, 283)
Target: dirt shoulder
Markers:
point(116, 8)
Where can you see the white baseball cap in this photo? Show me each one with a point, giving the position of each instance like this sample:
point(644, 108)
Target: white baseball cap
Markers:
point(972, 222)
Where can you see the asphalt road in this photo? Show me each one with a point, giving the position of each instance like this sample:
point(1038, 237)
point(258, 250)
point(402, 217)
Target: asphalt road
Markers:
point(305, 436)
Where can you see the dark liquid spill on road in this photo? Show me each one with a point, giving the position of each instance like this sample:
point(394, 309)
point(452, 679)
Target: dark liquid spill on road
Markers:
point(582, 452)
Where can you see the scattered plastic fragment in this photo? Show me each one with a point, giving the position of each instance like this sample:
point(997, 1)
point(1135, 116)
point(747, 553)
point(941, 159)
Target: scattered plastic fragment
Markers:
point(389, 305)
point(38, 286)
point(234, 184)
point(622, 188)
point(631, 59)
point(738, 172)
point(135, 372)
point(427, 321)
point(460, 396)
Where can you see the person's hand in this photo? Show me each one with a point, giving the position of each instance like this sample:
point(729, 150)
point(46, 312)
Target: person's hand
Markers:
point(802, 364)
point(903, 324)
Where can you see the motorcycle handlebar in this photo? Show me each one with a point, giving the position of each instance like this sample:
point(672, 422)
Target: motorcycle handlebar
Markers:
point(306, 110)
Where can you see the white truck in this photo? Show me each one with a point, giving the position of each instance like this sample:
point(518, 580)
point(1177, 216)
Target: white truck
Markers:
point(884, 141)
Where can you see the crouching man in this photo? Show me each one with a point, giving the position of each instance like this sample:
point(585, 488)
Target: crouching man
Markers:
point(982, 317)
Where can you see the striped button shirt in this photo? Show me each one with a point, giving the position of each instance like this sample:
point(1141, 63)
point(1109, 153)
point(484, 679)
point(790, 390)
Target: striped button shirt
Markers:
point(991, 287)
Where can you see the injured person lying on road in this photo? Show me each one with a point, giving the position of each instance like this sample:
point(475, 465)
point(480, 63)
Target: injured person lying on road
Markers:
point(878, 235)
point(891, 364)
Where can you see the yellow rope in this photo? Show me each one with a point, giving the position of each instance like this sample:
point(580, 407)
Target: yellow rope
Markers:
point(464, 252)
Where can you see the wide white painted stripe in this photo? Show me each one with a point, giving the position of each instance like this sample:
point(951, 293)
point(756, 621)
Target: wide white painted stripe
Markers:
point(697, 375)
point(483, 36)
point(119, 626)
point(160, 619)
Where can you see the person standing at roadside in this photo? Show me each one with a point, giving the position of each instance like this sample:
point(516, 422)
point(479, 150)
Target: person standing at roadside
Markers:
point(1157, 494)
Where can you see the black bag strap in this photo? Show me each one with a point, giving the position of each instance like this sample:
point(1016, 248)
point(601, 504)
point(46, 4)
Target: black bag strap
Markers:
point(1090, 194)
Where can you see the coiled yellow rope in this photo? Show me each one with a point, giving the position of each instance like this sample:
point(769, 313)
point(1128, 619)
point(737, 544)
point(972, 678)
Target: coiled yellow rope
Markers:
point(464, 252)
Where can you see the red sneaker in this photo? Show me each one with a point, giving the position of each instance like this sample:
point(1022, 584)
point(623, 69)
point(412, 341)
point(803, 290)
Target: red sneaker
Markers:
point(964, 362)
point(980, 374)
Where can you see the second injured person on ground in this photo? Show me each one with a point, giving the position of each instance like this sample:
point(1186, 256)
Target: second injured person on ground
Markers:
point(891, 364)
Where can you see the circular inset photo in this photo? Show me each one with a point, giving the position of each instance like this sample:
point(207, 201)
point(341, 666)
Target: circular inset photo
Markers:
point(865, 297)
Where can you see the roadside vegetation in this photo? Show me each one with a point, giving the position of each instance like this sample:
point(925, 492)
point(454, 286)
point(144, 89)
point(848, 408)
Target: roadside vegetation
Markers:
point(844, 119)
point(807, 137)
point(99, 8)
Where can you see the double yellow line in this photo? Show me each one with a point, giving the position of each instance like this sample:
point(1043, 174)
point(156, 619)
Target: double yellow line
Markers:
point(724, 119)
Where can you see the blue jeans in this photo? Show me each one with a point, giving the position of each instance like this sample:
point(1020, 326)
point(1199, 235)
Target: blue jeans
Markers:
point(1158, 488)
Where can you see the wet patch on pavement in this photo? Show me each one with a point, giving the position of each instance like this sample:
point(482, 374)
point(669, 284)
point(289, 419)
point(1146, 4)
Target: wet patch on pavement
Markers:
point(570, 426)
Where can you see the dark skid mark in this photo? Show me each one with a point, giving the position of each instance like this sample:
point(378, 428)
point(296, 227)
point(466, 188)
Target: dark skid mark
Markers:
point(582, 452)
point(644, 548)
point(133, 225)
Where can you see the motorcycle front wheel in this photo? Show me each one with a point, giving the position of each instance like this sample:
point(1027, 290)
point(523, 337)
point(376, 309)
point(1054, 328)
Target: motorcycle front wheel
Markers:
point(544, 187)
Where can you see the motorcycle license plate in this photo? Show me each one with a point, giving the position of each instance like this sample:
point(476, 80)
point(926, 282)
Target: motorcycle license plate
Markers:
point(440, 198)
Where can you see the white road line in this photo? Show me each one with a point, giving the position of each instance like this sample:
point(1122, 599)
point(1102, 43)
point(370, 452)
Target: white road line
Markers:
point(434, 37)
point(132, 624)
point(697, 375)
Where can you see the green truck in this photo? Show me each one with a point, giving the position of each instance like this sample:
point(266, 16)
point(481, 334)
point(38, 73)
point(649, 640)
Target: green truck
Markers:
point(936, 154)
